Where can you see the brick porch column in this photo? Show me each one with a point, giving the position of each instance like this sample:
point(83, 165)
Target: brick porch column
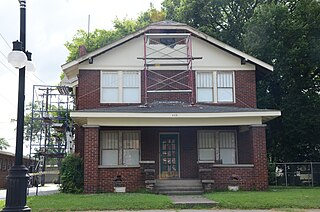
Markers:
point(258, 139)
point(91, 158)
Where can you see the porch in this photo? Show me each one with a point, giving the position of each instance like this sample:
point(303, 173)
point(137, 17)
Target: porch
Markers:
point(141, 156)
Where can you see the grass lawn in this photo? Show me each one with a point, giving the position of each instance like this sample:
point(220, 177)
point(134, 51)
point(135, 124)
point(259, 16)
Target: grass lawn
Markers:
point(302, 198)
point(109, 201)
point(278, 198)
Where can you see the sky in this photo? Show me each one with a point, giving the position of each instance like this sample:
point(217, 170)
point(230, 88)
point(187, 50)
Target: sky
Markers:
point(49, 24)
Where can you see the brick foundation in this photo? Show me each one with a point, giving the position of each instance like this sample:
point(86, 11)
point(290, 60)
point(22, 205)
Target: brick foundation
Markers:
point(131, 178)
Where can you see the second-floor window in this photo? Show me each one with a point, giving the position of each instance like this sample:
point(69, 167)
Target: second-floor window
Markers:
point(215, 86)
point(120, 87)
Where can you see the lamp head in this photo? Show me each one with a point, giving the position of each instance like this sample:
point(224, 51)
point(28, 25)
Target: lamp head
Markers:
point(17, 58)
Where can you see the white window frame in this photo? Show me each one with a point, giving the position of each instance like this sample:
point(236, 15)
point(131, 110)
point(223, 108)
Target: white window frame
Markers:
point(120, 149)
point(120, 87)
point(216, 149)
point(215, 86)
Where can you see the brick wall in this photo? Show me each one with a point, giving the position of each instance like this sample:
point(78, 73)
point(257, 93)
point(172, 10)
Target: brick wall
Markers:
point(91, 159)
point(131, 178)
point(88, 96)
point(254, 176)
point(260, 156)
point(245, 85)
point(6, 162)
point(79, 137)
point(221, 176)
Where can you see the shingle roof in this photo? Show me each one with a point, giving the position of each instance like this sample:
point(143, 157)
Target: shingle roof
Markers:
point(173, 107)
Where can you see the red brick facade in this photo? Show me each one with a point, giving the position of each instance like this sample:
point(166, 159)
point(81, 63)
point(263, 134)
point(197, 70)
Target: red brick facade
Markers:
point(251, 168)
point(88, 96)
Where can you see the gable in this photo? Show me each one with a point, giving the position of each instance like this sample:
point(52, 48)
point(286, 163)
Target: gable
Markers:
point(214, 58)
point(123, 54)
point(122, 57)
point(125, 57)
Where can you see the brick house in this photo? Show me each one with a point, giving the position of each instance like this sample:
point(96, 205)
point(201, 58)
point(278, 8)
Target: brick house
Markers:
point(169, 102)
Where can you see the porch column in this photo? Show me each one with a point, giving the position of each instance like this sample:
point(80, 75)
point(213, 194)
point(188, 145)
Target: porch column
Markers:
point(258, 138)
point(91, 158)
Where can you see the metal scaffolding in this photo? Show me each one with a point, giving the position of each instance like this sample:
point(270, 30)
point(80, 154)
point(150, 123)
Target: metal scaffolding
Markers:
point(51, 129)
point(173, 52)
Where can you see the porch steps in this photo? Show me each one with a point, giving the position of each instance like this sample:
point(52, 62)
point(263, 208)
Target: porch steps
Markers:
point(178, 187)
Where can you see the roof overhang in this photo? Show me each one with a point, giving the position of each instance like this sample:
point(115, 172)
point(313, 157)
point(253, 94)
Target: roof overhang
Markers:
point(173, 119)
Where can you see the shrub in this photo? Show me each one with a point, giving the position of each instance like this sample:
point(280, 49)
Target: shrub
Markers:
point(72, 174)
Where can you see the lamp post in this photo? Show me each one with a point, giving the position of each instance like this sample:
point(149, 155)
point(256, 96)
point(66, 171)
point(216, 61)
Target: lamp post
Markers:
point(17, 179)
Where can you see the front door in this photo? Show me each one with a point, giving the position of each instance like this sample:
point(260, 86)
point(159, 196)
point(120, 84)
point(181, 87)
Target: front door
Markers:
point(169, 155)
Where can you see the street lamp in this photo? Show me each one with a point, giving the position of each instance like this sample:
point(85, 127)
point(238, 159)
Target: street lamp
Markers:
point(17, 180)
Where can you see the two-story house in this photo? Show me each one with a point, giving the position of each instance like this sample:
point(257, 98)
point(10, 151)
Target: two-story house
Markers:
point(169, 102)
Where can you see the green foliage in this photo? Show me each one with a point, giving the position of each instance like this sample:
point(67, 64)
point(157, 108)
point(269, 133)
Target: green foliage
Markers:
point(93, 41)
point(100, 37)
point(287, 35)
point(222, 19)
point(72, 174)
point(3, 144)
point(272, 173)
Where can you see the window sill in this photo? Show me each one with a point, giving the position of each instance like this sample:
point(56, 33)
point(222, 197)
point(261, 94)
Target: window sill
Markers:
point(118, 167)
point(233, 165)
point(206, 161)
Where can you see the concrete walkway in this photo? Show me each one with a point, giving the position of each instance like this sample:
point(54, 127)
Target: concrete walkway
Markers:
point(191, 200)
point(47, 189)
point(217, 210)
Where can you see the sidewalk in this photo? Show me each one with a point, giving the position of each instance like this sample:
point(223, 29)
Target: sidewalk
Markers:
point(47, 189)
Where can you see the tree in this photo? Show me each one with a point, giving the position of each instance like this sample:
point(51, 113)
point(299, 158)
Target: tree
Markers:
point(222, 19)
point(287, 35)
point(3, 144)
point(101, 37)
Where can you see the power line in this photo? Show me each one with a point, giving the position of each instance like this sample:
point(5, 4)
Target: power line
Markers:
point(40, 79)
point(3, 54)
point(8, 68)
point(7, 100)
point(5, 41)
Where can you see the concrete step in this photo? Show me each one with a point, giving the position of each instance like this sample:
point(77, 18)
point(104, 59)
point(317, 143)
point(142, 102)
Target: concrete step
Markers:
point(180, 192)
point(178, 187)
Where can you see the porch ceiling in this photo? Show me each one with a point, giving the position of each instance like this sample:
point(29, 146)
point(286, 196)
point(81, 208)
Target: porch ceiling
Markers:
point(173, 115)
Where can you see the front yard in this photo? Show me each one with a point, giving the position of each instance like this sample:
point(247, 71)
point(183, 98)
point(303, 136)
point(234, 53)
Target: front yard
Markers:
point(278, 198)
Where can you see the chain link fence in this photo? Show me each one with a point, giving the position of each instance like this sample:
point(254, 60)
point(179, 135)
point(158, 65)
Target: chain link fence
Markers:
point(294, 174)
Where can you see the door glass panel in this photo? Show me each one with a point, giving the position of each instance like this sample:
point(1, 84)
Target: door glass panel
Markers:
point(169, 167)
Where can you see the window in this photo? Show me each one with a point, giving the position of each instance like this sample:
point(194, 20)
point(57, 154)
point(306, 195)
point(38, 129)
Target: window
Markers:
point(120, 148)
point(205, 86)
point(215, 86)
point(120, 87)
point(217, 146)
point(225, 86)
